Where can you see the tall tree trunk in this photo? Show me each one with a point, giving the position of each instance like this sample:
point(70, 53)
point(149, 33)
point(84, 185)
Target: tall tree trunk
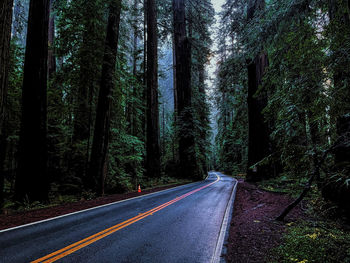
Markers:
point(174, 79)
point(152, 142)
point(203, 117)
point(339, 14)
point(258, 138)
point(100, 143)
point(51, 55)
point(145, 53)
point(5, 37)
point(88, 62)
point(175, 153)
point(134, 72)
point(201, 80)
point(188, 164)
point(163, 131)
point(32, 179)
point(135, 92)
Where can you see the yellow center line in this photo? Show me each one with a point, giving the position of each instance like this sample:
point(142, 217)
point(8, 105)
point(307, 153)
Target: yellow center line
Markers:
point(93, 238)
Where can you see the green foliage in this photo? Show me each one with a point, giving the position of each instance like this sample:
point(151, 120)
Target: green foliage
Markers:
point(298, 101)
point(286, 183)
point(232, 138)
point(313, 242)
point(13, 109)
point(125, 163)
point(201, 19)
point(80, 28)
point(301, 98)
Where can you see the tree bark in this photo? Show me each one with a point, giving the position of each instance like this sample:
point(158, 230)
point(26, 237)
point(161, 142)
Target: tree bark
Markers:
point(174, 79)
point(97, 171)
point(134, 71)
point(32, 180)
point(188, 164)
point(135, 92)
point(51, 56)
point(175, 153)
point(258, 137)
point(152, 142)
point(339, 14)
point(145, 53)
point(5, 37)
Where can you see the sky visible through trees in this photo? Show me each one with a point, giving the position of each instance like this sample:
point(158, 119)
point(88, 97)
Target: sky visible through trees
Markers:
point(125, 93)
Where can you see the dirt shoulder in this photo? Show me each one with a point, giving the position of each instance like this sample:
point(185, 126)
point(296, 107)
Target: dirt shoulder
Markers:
point(26, 217)
point(253, 232)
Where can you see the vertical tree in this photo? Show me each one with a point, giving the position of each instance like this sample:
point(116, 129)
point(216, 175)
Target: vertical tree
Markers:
point(89, 60)
point(5, 37)
point(339, 14)
point(144, 93)
point(258, 138)
point(51, 54)
point(200, 18)
point(152, 141)
point(32, 180)
point(188, 165)
point(137, 87)
point(134, 67)
point(97, 170)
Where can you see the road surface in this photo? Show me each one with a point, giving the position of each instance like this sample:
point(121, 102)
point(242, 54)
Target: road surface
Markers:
point(176, 225)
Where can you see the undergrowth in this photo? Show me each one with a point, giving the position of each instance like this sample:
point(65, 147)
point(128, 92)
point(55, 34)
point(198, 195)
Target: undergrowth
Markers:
point(284, 184)
point(313, 241)
point(323, 236)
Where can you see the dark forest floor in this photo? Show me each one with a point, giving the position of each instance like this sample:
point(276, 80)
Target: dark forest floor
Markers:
point(303, 237)
point(253, 232)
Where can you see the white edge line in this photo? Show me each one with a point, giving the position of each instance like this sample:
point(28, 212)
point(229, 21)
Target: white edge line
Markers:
point(88, 209)
point(219, 245)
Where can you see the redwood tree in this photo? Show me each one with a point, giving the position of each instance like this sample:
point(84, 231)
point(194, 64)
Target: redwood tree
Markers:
point(32, 180)
point(5, 37)
point(51, 54)
point(188, 163)
point(152, 142)
point(258, 138)
point(98, 164)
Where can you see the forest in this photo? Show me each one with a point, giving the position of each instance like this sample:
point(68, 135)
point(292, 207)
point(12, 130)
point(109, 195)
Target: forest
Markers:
point(100, 96)
point(283, 95)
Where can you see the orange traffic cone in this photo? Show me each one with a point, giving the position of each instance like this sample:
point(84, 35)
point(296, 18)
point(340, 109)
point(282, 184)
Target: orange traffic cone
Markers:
point(139, 190)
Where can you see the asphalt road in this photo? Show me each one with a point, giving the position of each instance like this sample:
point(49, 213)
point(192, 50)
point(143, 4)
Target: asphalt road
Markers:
point(176, 225)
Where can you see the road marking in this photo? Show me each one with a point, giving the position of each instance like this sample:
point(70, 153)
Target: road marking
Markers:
point(92, 208)
point(91, 239)
point(224, 225)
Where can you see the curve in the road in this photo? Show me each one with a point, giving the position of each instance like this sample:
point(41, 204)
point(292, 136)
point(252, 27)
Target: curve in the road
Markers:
point(52, 257)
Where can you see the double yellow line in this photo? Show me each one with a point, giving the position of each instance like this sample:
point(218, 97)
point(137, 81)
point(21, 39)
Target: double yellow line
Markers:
point(91, 239)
